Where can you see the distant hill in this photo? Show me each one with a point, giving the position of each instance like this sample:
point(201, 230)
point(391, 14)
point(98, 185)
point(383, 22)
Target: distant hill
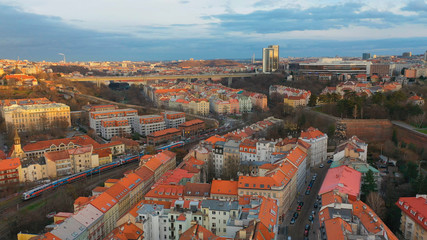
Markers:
point(208, 63)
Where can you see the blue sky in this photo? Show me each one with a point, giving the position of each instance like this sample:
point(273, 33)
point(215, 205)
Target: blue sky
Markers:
point(205, 29)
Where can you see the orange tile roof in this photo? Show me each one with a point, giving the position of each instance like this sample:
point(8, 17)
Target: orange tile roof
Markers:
point(370, 220)
point(330, 197)
point(311, 133)
point(126, 231)
point(9, 164)
point(166, 192)
point(46, 236)
point(262, 232)
point(224, 187)
point(112, 180)
point(117, 191)
point(103, 202)
point(102, 152)
point(99, 189)
point(144, 172)
point(257, 182)
point(56, 156)
point(2, 155)
point(216, 138)
point(336, 228)
point(77, 140)
point(191, 123)
point(268, 166)
point(164, 132)
point(268, 212)
point(153, 164)
point(296, 156)
point(131, 181)
point(198, 232)
point(416, 208)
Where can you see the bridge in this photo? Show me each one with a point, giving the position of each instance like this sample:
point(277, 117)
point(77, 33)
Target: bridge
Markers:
point(145, 78)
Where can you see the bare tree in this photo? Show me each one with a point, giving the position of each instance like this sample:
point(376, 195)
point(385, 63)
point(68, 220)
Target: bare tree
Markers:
point(376, 202)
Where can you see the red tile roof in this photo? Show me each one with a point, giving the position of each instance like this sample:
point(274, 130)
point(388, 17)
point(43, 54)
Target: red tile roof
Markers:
point(191, 123)
point(344, 179)
point(224, 187)
point(198, 232)
point(336, 228)
point(77, 140)
point(103, 202)
point(311, 133)
point(126, 231)
point(117, 191)
point(166, 192)
point(416, 208)
point(9, 164)
point(164, 132)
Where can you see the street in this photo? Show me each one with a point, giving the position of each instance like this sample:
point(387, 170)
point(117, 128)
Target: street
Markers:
point(296, 230)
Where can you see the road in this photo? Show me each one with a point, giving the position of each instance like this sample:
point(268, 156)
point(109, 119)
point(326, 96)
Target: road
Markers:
point(296, 231)
point(89, 183)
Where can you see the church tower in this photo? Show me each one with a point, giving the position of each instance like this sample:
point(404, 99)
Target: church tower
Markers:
point(17, 149)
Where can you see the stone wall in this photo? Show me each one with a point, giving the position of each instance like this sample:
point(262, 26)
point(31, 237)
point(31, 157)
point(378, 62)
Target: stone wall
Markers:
point(411, 136)
point(369, 130)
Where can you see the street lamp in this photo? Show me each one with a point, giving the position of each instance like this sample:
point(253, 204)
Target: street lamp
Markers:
point(62, 55)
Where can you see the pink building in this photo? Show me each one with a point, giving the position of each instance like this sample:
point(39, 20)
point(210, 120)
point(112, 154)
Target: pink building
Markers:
point(345, 180)
point(234, 106)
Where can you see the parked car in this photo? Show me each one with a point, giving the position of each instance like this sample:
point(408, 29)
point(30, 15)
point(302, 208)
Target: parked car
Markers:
point(310, 218)
point(321, 165)
point(307, 227)
point(329, 161)
point(316, 205)
point(292, 220)
point(299, 208)
point(307, 192)
point(295, 215)
point(313, 213)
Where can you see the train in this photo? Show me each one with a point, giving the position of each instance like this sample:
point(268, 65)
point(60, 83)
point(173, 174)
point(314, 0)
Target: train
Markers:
point(77, 176)
point(170, 146)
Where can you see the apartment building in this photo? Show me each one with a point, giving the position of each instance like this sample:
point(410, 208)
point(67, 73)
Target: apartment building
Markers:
point(173, 119)
point(216, 213)
point(33, 114)
point(117, 127)
point(199, 106)
point(164, 136)
point(148, 124)
point(224, 190)
point(96, 118)
point(218, 158)
point(319, 145)
point(9, 170)
point(192, 127)
point(413, 222)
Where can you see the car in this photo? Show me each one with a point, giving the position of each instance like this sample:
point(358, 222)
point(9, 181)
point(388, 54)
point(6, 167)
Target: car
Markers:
point(321, 165)
point(299, 208)
point(306, 233)
point(313, 213)
point(310, 218)
point(307, 192)
point(316, 205)
point(295, 215)
point(307, 227)
point(308, 188)
point(329, 161)
point(292, 220)
point(289, 238)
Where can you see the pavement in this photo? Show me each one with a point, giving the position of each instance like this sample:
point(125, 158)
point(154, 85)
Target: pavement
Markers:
point(296, 230)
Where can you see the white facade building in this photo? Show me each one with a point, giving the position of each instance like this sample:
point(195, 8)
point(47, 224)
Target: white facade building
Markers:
point(319, 145)
point(95, 118)
point(145, 125)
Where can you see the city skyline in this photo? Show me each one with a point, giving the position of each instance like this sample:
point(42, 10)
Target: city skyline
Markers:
point(204, 30)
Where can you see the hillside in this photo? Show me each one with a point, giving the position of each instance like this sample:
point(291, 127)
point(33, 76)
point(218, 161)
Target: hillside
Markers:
point(208, 63)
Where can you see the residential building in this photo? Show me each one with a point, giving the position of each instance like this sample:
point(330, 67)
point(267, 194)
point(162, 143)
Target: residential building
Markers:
point(163, 136)
point(319, 145)
point(34, 114)
point(343, 179)
point(96, 118)
point(173, 119)
point(417, 100)
point(245, 103)
point(110, 209)
point(199, 106)
point(117, 127)
point(33, 170)
point(148, 124)
point(198, 232)
point(224, 190)
point(413, 222)
point(218, 158)
point(9, 170)
point(126, 231)
point(197, 191)
point(192, 127)
point(91, 218)
point(353, 148)
point(161, 163)
point(216, 213)
point(70, 229)
point(165, 192)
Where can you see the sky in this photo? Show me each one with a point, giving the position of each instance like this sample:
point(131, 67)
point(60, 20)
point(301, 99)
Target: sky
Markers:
point(136, 30)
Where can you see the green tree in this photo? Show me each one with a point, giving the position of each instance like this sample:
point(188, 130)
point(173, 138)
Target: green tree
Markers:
point(369, 184)
point(313, 100)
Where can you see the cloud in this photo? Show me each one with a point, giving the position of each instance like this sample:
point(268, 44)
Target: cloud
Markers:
point(416, 6)
point(320, 18)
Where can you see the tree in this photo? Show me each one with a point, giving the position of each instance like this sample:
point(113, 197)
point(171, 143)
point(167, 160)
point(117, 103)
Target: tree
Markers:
point(376, 202)
point(369, 184)
point(313, 100)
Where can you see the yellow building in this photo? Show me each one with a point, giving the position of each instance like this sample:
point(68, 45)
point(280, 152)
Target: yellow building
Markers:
point(33, 171)
point(295, 101)
point(199, 106)
point(34, 114)
point(413, 222)
point(104, 156)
